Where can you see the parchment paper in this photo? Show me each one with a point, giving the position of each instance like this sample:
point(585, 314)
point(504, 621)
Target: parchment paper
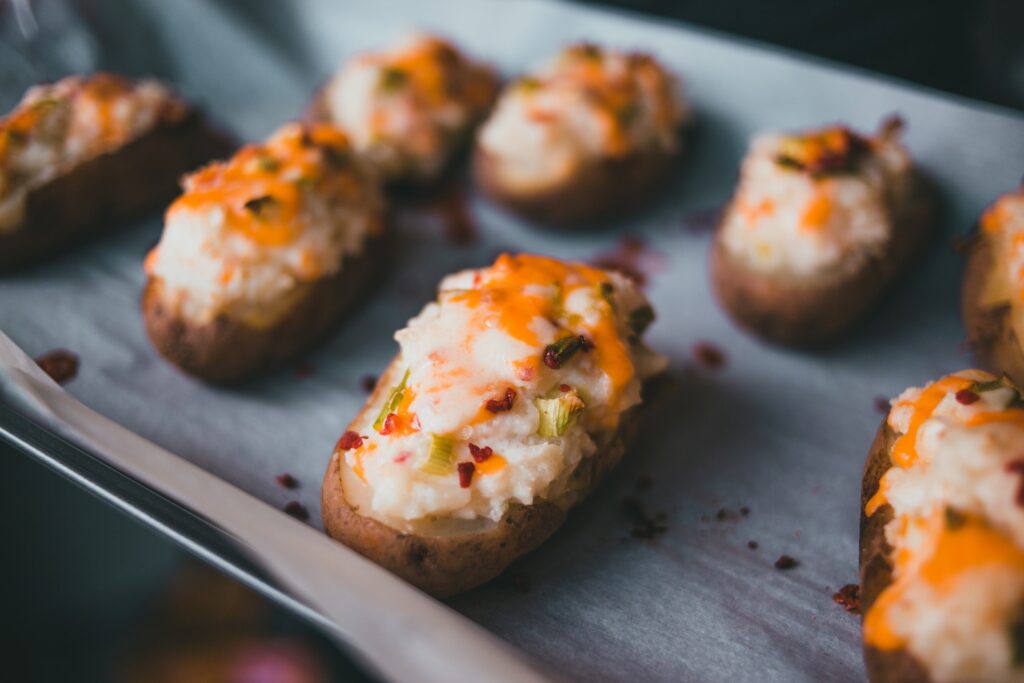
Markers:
point(781, 433)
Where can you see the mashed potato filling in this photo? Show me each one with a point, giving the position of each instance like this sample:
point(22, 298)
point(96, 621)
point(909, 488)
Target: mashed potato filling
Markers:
point(587, 104)
point(249, 232)
point(815, 201)
point(516, 374)
point(957, 597)
point(58, 126)
point(407, 107)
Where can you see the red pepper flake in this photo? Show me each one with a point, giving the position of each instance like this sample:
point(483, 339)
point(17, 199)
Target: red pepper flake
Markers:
point(368, 383)
point(752, 545)
point(287, 481)
point(466, 470)
point(504, 404)
point(564, 388)
point(402, 457)
point(708, 356)
point(348, 441)
point(882, 404)
point(60, 364)
point(966, 397)
point(786, 562)
point(848, 597)
point(304, 370)
point(297, 510)
point(480, 454)
point(389, 424)
point(1017, 467)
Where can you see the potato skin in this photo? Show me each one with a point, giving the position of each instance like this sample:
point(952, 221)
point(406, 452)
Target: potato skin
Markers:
point(883, 666)
point(990, 330)
point(104, 192)
point(446, 565)
point(598, 191)
point(227, 350)
point(812, 311)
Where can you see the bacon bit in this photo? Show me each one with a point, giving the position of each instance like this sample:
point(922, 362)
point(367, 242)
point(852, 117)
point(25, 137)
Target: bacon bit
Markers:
point(564, 388)
point(752, 545)
point(524, 371)
point(882, 405)
point(966, 397)
point(304, 370)
point(848, 597)
point(632, 258)
point(708, 356)
point(466, 470)
point(348, 441)
point(368, 383)
point(480, 454)
point(287, 481)
point(297, 510)
point(60, 364)
point(501, 405)
point(1017, 467)
point(453, 210)
point(389, 424)
point(785, 562)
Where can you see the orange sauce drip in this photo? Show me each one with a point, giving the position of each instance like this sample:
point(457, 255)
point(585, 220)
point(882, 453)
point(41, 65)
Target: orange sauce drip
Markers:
point(491, 465)
point(904, 451)
point(816, 213)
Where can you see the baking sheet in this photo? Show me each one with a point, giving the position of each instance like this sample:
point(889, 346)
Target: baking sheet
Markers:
point(781, 433)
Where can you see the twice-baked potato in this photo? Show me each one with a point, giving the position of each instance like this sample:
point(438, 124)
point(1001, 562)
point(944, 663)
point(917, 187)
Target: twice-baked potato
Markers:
point(410, 109)
point(509, 400)
point(586, 138)
point(820, 226)
point(942, 535)
point(992, 300)
point(263, 253)
point(85, 154)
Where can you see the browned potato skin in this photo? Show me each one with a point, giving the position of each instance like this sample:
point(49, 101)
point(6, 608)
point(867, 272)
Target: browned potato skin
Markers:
point(446, 565)
point(990, 331)
point(884, 666)
point(598, 191)
point(104, 192)
point(227, 350)
point(808, 312)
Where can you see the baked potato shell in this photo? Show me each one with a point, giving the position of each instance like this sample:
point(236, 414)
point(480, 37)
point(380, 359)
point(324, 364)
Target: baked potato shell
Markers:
point(110, 189)
point(227, 350)
point(442, 557)
point(597, 191)
point(810, 311)
point(876, 566)
point(986, 308)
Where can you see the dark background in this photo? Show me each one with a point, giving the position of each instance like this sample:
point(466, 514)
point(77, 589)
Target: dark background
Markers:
point(92, 595)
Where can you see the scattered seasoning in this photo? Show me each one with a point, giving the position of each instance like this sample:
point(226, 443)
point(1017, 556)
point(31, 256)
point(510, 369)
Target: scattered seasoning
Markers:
point(724, 514)
point(504, 404)
point(297, 510)
point(480, 454)
point(348, 441)
point(708, 356)
point(466, 470)
point(632, 258)
point(848, 597)
point(564, 388)
point(752, 545)
point(60, 364)
point(966, 397)
point(643, 483)
point(644, 525)
point(287, 481)
point(453, 210)
point(785, 562)
point(882, 404)
point(702, 221)
point(558, 354)
point(1017, 467)
point(368, 383)
point(745, 511)
point(304, 370)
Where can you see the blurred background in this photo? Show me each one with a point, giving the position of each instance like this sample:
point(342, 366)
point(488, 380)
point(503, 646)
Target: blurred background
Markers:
point(90, 594)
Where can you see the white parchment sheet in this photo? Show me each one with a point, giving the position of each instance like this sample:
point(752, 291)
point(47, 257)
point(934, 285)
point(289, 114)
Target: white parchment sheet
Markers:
point(779, 432)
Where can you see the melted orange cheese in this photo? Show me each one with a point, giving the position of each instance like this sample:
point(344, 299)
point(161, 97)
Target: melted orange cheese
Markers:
point(260, 189)
point(493, 464)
